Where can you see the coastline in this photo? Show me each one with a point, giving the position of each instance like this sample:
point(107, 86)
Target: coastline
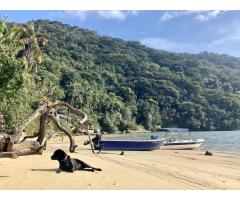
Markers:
point(160, 169)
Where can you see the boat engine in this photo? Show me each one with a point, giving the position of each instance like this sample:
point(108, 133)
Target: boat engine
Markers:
point(154, 136)
point(97, 142)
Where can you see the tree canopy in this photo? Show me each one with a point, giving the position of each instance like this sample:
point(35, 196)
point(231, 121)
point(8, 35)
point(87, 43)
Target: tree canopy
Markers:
point(121, 85)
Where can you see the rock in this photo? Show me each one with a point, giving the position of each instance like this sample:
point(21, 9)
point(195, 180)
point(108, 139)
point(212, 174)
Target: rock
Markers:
point(208, 153)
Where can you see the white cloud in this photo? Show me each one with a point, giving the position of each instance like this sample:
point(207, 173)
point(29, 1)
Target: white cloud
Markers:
point(207, 16)
point(224, 40)
point(79, 14)
point(231, 28)
point(229, 33)
point(113, 14)
point(167, 16)
point(163, 44)
point(197, 15)
point(227, 45)
point(174, 14)
point(103, 14)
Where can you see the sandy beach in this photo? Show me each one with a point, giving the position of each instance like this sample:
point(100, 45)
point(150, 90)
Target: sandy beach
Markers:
point(161, 169)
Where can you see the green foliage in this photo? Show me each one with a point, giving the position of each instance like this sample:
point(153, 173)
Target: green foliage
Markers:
point(120, 85)
point(17, 85)
point(148, 114)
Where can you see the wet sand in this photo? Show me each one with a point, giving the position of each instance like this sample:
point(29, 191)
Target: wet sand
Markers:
point(161, 169)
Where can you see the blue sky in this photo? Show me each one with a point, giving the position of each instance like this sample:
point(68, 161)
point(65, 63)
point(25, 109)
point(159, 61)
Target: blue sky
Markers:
point(176, 31)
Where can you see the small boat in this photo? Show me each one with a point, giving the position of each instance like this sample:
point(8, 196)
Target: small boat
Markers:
point(126, 145)
point(182, 144)
point(132, 145)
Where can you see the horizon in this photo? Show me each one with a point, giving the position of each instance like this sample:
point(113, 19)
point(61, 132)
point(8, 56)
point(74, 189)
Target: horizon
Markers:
point(198, 31)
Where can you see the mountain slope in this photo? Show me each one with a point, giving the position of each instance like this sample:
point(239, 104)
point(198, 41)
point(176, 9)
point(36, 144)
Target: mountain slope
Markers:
point(123, 84)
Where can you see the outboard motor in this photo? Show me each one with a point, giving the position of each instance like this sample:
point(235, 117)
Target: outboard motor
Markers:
point(154, 136)
point(97, 142)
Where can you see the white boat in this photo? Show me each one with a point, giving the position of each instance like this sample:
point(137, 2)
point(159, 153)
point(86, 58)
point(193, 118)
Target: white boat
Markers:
point(182, 144)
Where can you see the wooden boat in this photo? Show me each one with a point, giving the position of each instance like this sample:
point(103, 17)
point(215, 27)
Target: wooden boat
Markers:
point(182, 144)
point(131, 145)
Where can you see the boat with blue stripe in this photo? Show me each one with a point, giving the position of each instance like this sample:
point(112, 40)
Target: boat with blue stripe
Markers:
point(132, 145)
point(153, 143)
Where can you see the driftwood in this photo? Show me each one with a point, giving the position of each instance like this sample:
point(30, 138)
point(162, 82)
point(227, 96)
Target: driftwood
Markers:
point(91, 143)
point(48, 112)
point(72, 143)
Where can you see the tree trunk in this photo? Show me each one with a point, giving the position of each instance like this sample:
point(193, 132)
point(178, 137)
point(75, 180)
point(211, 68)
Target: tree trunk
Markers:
point(72, 142)
point(44, 119)
point(17, 133)
point(32, 145)
point(91, 143)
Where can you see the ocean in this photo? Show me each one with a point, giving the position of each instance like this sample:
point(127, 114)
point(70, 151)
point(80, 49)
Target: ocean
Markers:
point(227, 141)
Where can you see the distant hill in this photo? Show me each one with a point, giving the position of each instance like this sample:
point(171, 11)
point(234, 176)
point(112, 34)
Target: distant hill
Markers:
point(123, 85)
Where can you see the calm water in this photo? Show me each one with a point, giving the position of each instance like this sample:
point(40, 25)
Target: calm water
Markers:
point(228, 141)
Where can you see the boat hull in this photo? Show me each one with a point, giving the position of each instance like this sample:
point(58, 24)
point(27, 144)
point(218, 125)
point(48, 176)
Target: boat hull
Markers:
point(182, 145)
point(131, 145)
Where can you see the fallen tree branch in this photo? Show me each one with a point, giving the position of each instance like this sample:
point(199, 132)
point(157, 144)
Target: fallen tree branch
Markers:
point(72, 109)
point(72, 142)
point(17, 133)
point(47, 112)
point(28, 137)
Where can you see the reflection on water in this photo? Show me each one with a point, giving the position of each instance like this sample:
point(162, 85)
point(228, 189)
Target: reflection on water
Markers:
point(214, 140)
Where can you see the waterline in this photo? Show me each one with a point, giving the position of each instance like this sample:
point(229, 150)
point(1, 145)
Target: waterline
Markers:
point(226, 141)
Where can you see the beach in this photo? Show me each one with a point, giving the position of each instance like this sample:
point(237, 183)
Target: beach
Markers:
point(160, 169)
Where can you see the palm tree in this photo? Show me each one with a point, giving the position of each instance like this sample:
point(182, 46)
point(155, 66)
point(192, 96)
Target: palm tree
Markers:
point(22, 41)
point(29, 42)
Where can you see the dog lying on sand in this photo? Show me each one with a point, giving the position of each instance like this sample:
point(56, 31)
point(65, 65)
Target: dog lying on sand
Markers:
point(68, 164)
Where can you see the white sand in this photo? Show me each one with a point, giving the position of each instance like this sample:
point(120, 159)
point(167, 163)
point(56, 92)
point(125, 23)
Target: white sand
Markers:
point(161, 169)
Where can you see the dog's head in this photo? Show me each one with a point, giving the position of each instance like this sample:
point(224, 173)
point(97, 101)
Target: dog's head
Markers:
point(59, 155)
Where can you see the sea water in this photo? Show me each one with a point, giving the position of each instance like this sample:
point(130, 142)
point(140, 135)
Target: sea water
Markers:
point(227, 141)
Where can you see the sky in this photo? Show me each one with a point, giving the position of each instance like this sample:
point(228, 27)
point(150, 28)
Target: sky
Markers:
point(175, 31)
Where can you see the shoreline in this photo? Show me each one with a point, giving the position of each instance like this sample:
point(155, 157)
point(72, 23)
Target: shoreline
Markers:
point(208, 143)
point(159, 169)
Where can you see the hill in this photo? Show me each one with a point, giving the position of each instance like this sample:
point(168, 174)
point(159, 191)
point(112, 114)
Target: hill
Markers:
point(122, 85)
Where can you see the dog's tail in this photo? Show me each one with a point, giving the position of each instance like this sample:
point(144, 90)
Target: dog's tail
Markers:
point(97, 169)
point(93, 168)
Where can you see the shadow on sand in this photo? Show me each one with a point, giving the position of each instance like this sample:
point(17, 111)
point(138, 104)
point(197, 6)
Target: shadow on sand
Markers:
point(55, 170)
point(44, 170)
point(114, 153)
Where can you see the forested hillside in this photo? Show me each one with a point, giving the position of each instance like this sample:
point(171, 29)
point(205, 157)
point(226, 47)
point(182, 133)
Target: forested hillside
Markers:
point(120, 84)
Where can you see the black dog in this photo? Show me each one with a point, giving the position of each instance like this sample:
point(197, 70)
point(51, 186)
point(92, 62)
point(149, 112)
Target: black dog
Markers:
point(70, 164)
